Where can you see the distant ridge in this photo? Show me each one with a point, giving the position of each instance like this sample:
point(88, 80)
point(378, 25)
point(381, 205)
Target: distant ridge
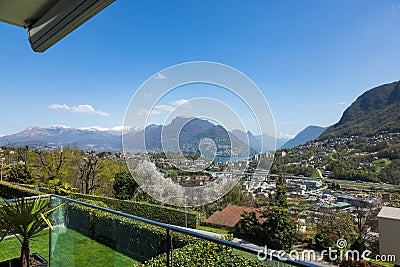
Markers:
point(98, 138)
point(374, 111)
point(308, 134)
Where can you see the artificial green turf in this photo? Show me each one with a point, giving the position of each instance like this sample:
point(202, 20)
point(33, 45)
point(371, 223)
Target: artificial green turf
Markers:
point(11, 248)
point(70, 248)
point(74, 249)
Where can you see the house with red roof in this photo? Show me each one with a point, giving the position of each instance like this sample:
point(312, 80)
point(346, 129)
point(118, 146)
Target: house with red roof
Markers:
point(230, 218)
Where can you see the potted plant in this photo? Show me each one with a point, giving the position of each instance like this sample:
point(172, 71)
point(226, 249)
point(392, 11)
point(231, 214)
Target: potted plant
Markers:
point(25, 218)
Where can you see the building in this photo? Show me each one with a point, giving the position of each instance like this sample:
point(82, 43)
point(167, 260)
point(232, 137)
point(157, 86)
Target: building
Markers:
point(229, 218)
point(389, 234)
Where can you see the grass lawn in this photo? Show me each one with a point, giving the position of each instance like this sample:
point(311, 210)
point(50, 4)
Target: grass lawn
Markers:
point(11, 248)
point(212, 229)
point(316, 174)
point(381, 163)
point(70, 248)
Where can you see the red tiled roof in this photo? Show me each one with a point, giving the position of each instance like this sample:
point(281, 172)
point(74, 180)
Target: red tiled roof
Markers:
point(230, 216)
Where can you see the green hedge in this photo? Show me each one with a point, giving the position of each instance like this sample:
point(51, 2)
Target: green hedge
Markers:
point(135, 239)
point(142, 209)
point(150, 211)
point(11, 190)
point(205, 253)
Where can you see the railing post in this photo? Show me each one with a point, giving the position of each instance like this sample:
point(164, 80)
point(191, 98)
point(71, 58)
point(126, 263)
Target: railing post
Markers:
point(168, 248)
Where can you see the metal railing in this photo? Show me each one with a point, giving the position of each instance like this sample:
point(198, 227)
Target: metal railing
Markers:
point(168, 228)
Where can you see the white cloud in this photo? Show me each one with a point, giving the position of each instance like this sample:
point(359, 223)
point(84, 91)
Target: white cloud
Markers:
point(88, 109)
point(143, 111)
point(160, 76)
point(58, 106)
point(85, 108)
point(164, 108)
point(180, 102)
point(342, 103)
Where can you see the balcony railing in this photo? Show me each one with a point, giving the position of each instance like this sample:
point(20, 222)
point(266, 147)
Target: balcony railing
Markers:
point(88, 235)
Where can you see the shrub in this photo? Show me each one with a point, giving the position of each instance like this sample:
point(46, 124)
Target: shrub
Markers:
point(17, 173)
point(359, 263)
point(204, 253)
point(135, 239)
point(59, 187)
point(124, 185)
point(10, 190)
point(150, 211)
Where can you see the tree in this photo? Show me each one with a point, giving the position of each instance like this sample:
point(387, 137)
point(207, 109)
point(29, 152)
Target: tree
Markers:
point(18, 173)
point(333, 226)
point(280, 196)
point(22, 154)
point(391, 173)
point(250, 224)
point(124, 185)
point(279, 229)
point(89, 168)
point(51, 163)
point(60, 187)
point(25, 219)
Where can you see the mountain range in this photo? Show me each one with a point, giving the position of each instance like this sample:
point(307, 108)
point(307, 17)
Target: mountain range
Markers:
point(375, 111)
point(90, 138)
point(191, 132)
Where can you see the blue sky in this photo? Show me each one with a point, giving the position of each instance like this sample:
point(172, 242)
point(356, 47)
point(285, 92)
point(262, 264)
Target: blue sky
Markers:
point(311, 59)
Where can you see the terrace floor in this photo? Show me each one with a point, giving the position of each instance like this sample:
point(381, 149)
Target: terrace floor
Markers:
point(76, 250)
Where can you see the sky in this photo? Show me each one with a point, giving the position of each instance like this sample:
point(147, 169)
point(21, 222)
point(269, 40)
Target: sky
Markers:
point(310, 59)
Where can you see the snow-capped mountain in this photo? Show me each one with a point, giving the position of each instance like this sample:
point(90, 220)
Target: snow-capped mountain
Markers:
point(286, 136)
point(89, 138)
point(117, 130)
point(110, 139)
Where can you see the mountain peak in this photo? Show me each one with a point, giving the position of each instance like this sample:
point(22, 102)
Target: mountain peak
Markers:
point(309, 133)
point(378, 109)
point(59, 126)
point(94, 128)
point(285, 136)
point(184, 117)
point(31, 128)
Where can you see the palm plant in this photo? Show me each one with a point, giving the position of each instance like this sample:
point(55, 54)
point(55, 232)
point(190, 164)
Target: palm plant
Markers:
point(25, 219)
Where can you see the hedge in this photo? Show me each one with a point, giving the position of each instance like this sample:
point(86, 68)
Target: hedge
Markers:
point(205, 253)
point(150, 211)
point(142, 209)
point(11, 190)
point(135, 239)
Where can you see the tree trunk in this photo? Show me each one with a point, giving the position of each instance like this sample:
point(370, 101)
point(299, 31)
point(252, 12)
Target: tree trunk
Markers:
point(25, 254)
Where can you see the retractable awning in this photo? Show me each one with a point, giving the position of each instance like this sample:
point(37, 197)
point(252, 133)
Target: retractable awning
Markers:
point(48, 21)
